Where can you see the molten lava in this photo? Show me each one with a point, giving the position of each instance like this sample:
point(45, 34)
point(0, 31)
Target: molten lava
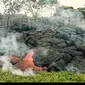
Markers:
point(26, 62)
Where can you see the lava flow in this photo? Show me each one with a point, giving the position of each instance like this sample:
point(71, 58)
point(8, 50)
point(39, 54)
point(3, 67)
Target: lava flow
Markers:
point(26, 62)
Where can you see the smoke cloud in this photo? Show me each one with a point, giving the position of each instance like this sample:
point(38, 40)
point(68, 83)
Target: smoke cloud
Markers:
point(12, 44)
point(60, 17)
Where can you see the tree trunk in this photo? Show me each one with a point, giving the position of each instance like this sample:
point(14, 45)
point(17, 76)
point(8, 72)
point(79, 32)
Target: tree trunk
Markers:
point(8, 22)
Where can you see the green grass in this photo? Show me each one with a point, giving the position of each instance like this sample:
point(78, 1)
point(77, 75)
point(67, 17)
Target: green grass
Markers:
point(43, 77)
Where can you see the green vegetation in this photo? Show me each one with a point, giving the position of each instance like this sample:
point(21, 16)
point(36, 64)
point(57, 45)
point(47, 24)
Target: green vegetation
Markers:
point(43, 77)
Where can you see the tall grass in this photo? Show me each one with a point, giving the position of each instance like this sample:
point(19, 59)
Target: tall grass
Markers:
point(43, 77)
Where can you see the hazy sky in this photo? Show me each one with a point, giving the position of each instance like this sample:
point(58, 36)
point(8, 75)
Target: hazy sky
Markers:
point(74, 3)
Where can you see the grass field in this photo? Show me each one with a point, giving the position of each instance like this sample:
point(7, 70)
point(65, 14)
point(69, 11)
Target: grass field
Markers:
point(43, 77)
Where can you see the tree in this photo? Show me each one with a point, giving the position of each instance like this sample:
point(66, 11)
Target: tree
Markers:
point(82, 10)
point(35, 7)
point(68, 7)
point(11, 7)
point(32, 7)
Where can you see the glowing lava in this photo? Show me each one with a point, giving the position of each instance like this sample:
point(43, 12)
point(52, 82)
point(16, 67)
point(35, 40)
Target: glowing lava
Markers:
point(26, 62)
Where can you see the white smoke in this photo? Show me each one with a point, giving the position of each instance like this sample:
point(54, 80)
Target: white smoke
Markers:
point(11, 45)
point(7, 66)
point(59, 17)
